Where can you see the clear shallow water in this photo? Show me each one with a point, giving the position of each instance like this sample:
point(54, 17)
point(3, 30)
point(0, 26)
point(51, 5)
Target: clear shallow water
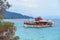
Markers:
point(48, 33)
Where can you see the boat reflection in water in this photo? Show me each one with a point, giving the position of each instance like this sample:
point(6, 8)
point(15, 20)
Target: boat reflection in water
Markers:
point(38, 22)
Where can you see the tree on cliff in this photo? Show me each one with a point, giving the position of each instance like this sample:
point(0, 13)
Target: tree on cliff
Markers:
point(7, 29)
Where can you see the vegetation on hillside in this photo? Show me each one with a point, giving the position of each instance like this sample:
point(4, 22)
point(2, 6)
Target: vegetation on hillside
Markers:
point(7, 29)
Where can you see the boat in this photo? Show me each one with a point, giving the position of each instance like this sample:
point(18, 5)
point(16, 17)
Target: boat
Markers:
point(38, 22)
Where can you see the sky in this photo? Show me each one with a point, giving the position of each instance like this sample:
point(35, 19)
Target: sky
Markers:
point(35, 7)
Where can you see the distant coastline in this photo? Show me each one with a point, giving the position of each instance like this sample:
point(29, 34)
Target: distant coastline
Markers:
point(13, 15)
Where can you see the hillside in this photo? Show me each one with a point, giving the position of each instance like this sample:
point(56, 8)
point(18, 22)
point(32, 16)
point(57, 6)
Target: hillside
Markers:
point(13, 15)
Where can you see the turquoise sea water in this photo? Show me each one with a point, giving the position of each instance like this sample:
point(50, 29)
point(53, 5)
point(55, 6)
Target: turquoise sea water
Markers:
point(48, 33)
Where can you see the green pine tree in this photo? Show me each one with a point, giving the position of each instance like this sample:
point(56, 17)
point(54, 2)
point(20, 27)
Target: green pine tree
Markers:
point(7, 29)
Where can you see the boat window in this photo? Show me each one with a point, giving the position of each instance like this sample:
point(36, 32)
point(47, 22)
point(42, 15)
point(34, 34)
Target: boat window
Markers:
point(36, 22)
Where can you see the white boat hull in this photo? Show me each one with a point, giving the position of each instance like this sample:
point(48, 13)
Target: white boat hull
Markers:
point(37, 26)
